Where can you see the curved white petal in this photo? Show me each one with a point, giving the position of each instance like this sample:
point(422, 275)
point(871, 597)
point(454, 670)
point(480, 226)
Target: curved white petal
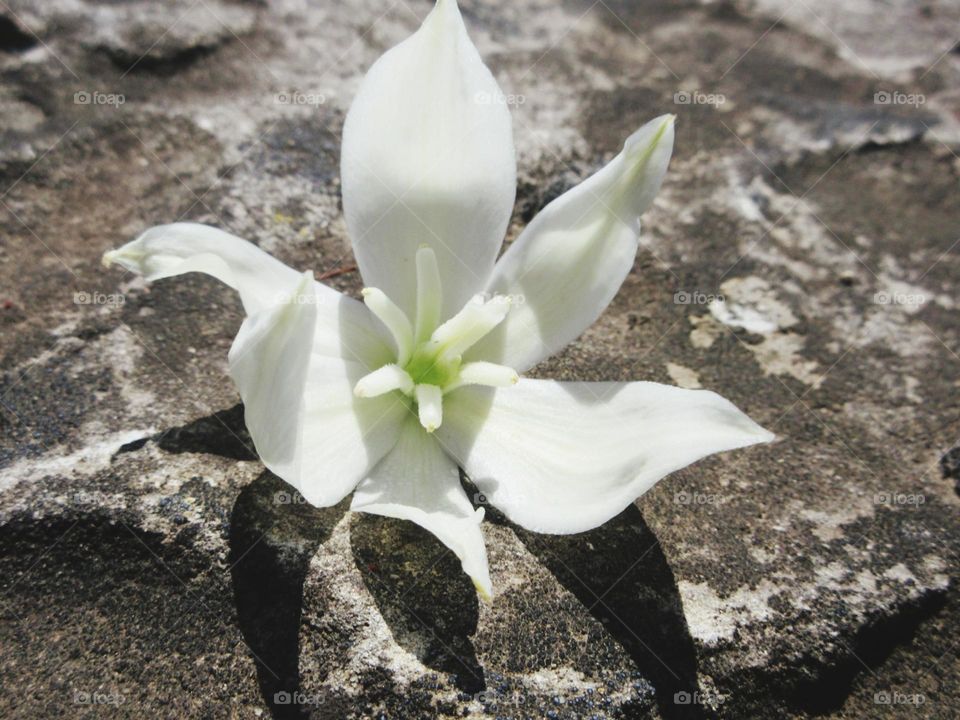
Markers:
point(569, 262)
point(167, 250)
point(566, 457)
point(418, 482)
point(428, 158)
point(290, 364)
point(345, 328)
point(295, 359)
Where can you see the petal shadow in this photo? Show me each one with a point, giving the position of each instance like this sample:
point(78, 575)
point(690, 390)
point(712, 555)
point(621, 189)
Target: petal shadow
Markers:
point(274, 533)
point(621, 575)
point(223, 433)
point(423, 595)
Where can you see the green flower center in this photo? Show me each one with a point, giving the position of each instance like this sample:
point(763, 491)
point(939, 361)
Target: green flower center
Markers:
point(429, 358)
point(430, 366)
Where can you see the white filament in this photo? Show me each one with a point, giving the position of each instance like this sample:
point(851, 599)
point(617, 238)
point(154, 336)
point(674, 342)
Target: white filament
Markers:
point(384, 380)
point(429, 295)
point(430, 352)
point(485, 373)
point(394, 318)
point(430, 406)
point(471, 324)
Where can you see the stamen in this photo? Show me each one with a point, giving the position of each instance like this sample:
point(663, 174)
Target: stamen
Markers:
point(469, 325)
point(394, 318)
point(429, 294)
point(386, 379)
point(429, 358)
point(485, 373)
point(430, 406)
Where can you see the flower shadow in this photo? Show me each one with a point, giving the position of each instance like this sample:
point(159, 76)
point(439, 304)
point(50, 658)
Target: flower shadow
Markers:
point(422, 593)
point(618, 571)
point(274, 533)
point(620, 574)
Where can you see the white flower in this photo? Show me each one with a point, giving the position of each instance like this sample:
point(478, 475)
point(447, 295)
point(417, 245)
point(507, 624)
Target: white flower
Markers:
point(387, 398)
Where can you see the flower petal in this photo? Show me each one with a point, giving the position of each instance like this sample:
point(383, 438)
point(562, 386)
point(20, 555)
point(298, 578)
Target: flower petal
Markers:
point(566, 457)
point(295, 359)
point(428, 158)
point(416, 481)
point(167, 250)
point(345, 328)
point(570, 261)
point(297, 387)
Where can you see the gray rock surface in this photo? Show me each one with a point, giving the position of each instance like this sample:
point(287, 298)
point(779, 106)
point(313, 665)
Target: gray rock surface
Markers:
point(801, 260)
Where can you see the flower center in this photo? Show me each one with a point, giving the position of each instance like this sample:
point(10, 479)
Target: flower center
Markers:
point(430, 355)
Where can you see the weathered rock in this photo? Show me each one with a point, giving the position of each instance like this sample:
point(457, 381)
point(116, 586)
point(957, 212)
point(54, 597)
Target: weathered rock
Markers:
point(140, 35)
point(800, 260)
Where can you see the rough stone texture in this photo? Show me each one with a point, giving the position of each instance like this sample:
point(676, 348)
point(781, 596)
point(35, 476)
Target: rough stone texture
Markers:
point(151, 568)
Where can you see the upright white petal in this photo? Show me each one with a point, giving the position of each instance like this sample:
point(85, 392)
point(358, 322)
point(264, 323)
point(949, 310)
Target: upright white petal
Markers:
point(167, 250)
point(428, 159)
point(300, 409)
point(569, 262)
point(418, 482)
point(566, 457)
